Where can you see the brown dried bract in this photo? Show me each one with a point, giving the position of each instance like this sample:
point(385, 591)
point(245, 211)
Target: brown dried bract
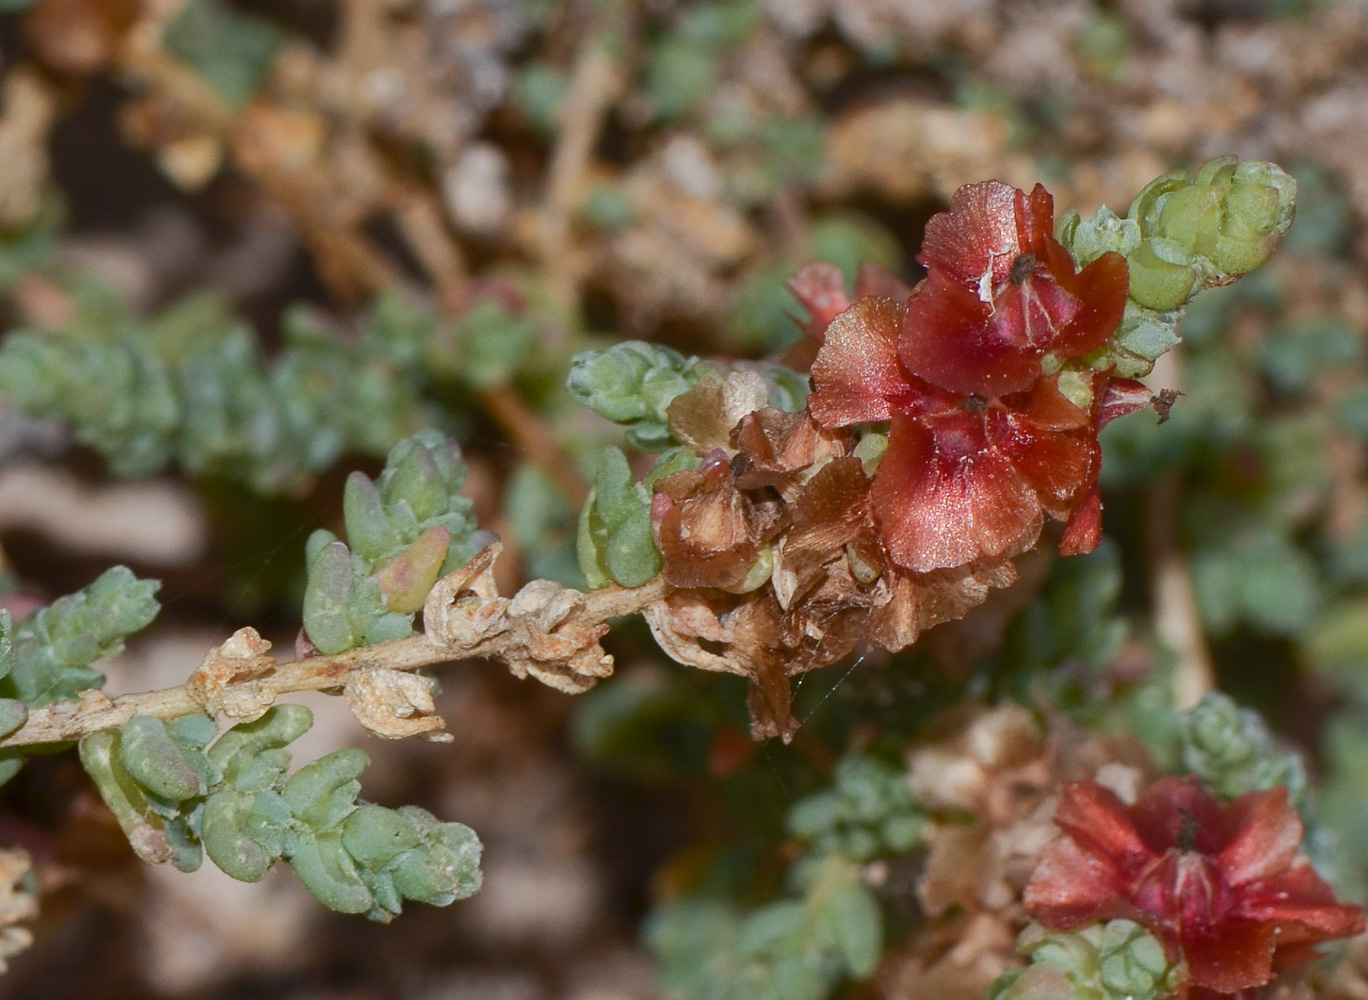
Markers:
point(708, 530)
point(395, 704)
point(228, 681)
point(545, 630)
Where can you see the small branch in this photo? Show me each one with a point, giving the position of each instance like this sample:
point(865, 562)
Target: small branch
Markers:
point(526, 430)
point(512, 638)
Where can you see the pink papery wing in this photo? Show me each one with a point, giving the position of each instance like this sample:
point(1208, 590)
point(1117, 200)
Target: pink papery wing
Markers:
point(1100, 290)
point(946, 498)
point(975, 243)
point(821, 289)
point(857, 377)
point(1232, 957)
point(1266, 839)
point(955, 341)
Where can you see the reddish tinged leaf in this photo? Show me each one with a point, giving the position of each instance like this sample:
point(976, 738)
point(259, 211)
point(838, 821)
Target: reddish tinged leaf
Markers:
point(945, 498)
point(1224, 885)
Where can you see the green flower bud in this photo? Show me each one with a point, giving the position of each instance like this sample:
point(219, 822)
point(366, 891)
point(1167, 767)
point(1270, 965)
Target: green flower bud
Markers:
point(1157, 281)
point(328, 872)
point(369, 530)
point(633, 383)
point(1104, 232)
point(1232, 751)
point(447, 869)
point(1117, 961)
point(1131, 962)
point(1231, 215)
point(322, 794)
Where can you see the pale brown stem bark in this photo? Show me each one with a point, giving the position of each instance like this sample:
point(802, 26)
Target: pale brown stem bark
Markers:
point(68, 721)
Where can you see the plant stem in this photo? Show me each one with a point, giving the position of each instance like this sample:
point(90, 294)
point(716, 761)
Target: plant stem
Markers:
point(67, 721)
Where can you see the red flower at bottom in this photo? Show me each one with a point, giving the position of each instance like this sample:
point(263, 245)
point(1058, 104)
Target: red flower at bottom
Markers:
point(1225, 886)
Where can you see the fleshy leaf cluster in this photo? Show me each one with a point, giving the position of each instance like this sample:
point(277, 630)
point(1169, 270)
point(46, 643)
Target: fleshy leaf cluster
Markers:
point(1118, 960)
point(867, 813)
point(405, 530)
point(633, 383)
point(1232, 751)
point(178, 793)
point(794, 949)
point(54, 647)
point(193, 387)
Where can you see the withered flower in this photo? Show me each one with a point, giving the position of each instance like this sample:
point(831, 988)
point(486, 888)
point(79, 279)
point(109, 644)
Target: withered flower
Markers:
point(1225, 886)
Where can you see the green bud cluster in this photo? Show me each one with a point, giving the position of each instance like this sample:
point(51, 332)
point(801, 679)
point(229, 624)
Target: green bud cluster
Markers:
point(406, 530)
point(615, 543)
point(178, 793)
point(867, 813)
point(633, 383)
point(794, 949)
point(1231, 750)
point(1119, 960)
point(485, 347)
point(1182, 235)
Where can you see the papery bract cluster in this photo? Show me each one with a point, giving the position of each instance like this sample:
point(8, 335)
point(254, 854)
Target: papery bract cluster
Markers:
point(987, 431)
point(1225, 886)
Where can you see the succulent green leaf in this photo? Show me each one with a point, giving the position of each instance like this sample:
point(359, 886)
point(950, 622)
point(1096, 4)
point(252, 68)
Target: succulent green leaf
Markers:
point(158, 761)
point(328, 872)
point(851, 921)
point(369, 532)
point(322, 794)
point(140, 823)
point(238, 751)
point(327, 600)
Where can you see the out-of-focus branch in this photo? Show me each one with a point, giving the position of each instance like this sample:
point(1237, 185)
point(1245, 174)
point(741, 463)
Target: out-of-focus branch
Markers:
point(544, 626)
